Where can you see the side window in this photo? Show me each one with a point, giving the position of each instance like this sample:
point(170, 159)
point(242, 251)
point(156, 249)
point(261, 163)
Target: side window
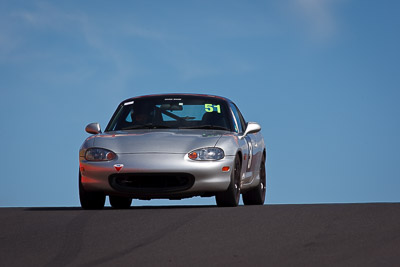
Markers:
point(242, 121)
point(237, 121)
point(129, 116)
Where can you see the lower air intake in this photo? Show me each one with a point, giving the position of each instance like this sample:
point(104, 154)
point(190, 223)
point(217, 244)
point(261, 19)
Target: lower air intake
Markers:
point(151, 182)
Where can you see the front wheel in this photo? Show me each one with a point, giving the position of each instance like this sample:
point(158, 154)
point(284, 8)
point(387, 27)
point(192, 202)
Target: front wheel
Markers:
point(90, 200)
point(230, 197)
point(256, 196)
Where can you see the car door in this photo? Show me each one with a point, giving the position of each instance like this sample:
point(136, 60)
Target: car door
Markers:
point(254, 148)
point(245, 144)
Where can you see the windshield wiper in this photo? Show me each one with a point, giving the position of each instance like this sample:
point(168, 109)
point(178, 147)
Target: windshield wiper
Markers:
point(214, 127)
point(146, 126)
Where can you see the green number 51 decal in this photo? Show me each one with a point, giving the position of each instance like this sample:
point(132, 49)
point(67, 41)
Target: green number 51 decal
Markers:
point(212, 108)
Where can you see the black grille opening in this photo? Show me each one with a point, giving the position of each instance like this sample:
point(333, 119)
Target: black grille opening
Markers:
point(151, 182)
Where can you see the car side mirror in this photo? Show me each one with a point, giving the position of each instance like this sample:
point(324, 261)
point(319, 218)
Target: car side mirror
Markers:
point(252, 127)
point(93, 128)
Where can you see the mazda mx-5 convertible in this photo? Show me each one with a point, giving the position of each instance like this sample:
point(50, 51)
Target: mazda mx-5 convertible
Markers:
point(173, 146)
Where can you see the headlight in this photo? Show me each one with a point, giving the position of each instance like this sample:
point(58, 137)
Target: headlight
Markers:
point(99, 154)
point(207, 153)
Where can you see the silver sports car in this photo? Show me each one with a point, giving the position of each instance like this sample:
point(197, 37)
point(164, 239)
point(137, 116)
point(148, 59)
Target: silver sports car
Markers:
point(173, 146)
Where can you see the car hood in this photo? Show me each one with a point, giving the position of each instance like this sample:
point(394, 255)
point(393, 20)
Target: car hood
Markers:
point(157, 141)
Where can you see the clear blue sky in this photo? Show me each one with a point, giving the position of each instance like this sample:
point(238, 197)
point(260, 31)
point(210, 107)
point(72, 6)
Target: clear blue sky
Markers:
point(321, 77)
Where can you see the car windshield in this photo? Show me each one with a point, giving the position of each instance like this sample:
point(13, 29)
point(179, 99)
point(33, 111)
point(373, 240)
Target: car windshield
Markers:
point(178, 112)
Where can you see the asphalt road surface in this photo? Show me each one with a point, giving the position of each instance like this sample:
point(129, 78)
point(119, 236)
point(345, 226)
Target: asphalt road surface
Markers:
point(270, 235)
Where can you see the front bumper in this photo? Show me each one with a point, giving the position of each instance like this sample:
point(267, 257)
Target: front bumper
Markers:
point(208, 176)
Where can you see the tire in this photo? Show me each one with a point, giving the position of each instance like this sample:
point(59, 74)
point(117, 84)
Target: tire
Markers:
point(90, 200)
point(256, 196)
point(230, 197)
point(120, 202)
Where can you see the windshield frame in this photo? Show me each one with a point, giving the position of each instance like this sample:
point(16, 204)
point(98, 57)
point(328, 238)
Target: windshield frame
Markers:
point(216, 101)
